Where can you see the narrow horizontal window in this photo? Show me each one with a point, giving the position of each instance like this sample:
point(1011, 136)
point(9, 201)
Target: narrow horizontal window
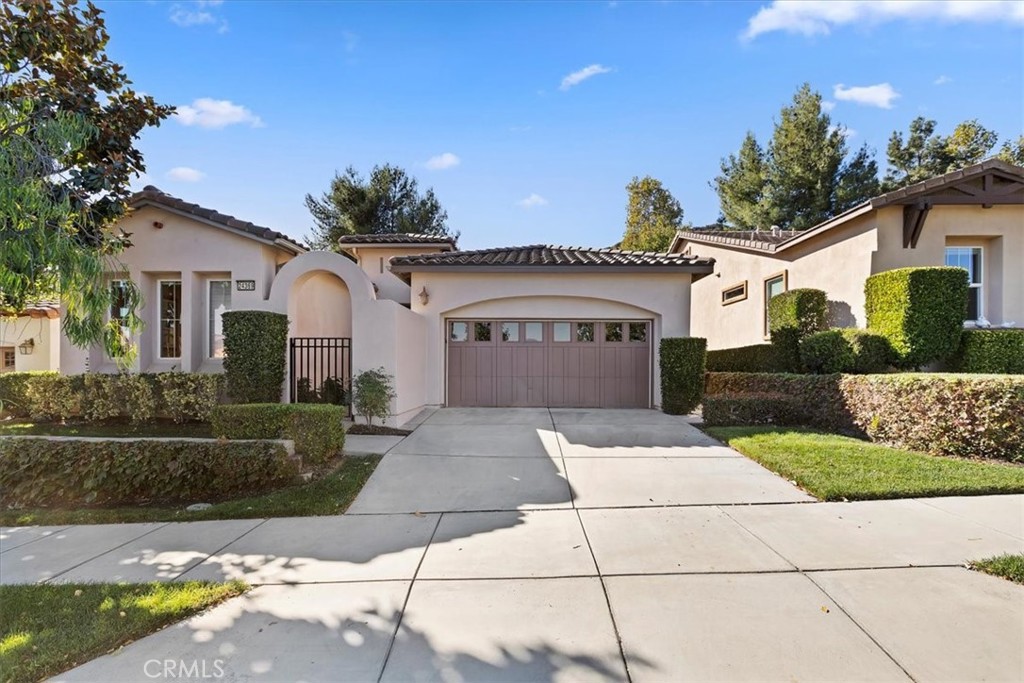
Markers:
point(731, 295)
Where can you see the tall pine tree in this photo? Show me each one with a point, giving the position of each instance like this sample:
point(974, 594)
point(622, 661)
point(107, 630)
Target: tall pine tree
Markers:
point(802, 178)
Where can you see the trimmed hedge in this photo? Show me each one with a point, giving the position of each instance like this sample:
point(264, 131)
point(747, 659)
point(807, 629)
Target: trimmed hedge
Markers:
point(39, 472)
point(826, 352)
point(996, 351)
point(754, 358)
point(316, 429)
point(255, 345)
point(181, 396)
point(872, 352)
point(919, 310)
point(792, 316)
point(979, 416)
point(682, 362)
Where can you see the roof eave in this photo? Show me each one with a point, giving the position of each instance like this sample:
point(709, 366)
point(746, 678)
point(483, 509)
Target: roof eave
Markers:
point(639, 268)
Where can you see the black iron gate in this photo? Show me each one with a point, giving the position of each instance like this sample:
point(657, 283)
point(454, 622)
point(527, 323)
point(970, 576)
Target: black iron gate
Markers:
point(320, 370)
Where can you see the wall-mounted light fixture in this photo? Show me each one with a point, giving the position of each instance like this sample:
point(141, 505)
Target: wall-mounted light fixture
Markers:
point(27, 347)
point(424, 296)
point(158, 225)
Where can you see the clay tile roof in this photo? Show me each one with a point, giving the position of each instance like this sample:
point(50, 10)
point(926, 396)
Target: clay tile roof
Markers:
point(154, 196)
point(398, 238)
point(549, 256)
point(45, 308)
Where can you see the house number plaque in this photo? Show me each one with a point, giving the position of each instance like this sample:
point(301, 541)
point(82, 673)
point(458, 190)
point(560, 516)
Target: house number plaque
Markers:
point(245, 285)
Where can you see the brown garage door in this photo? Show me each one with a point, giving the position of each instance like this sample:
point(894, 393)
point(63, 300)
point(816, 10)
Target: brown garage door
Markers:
point(565, 363)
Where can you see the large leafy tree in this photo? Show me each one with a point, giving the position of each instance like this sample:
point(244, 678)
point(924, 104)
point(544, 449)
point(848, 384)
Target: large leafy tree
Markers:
point(804, 177)
point(652, 216)
point(1012, 151)
point(69, 120)
point(388, 202)
point(923, 153)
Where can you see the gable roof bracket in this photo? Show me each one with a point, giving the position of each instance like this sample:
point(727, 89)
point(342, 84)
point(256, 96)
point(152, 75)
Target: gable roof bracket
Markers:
point(914, 216)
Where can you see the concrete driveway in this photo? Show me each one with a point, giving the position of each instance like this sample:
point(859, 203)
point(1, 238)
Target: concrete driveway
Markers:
point(572, 545)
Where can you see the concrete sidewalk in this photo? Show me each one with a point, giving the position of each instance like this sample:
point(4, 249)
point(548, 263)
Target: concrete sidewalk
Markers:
point(654, 555)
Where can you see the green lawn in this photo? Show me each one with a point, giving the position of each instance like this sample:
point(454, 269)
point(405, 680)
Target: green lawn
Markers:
point(834, 467)
point(1007, 566)
point(330, 494)
point(162, 428)
point(47, 629)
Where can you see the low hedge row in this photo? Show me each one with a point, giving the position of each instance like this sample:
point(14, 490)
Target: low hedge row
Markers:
point(997, 351)
point(40, 472)
point(754, 358)
point(181, 396)
point(316, 429)
point(959, 415)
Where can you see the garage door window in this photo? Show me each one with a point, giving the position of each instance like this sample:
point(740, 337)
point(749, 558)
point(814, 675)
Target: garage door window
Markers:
point(482, 332)
point(510, 332)
point(613, 332)
point(459, 332)
point(584, 332)
point(534, 332)
point(638, 332)
point(561, 332)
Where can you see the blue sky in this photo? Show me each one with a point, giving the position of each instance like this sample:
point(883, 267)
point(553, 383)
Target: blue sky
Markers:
point(529, 119)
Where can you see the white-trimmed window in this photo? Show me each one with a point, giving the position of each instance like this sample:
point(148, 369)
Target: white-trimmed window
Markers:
point(7, 358)
point(218, 303)
point(773, 286)
point(119, 301)
point(169, 296)
point(970, 259)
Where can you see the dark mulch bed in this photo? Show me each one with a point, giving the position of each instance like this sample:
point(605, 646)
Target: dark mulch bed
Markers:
point(376, 430)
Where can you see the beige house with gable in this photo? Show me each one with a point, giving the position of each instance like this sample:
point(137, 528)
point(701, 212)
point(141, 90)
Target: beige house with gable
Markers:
point(972, 218)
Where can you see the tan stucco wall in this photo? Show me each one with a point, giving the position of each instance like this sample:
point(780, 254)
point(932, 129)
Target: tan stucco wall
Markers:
point(839, 260)
point(195, 253)
point(45, 332)
point(663, 298)
point(374, 260)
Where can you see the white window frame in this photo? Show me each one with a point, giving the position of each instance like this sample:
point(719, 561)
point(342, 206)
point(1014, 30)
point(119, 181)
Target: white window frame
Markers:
point(784, 275)
point(124, 331)
point(980, 286)
point(160, 319)
point(209, 313)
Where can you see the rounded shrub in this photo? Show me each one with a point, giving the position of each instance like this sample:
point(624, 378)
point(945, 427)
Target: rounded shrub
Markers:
point(682, 363)
point(792, 316)
point(872, 352)
point(826, 352)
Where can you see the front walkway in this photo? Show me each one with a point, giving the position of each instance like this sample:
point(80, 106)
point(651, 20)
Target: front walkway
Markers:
point(536, 545)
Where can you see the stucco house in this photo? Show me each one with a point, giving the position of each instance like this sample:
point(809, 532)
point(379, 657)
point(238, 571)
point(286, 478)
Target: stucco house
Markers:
point(520, 326)
point(972, 218)
point(30, 339)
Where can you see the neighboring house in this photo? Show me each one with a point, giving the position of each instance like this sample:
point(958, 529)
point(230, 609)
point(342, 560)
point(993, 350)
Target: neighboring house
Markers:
point(971, 218)
point(30, 339)
point(524, 326)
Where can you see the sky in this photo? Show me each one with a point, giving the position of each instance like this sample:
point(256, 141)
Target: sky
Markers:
point(529, 119)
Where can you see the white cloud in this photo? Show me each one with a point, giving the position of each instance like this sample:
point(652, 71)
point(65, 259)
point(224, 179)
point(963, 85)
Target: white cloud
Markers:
point(819, 17)
point(443, 161)
point(210, 113)
point(943, 80)
point(827, 105)
point(880, 95)
point(197, 13)
point(577, 77)
point(185, 174)
point(532, 202)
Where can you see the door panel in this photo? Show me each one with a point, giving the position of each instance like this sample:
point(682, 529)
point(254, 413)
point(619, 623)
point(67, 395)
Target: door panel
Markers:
point(599, 364)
